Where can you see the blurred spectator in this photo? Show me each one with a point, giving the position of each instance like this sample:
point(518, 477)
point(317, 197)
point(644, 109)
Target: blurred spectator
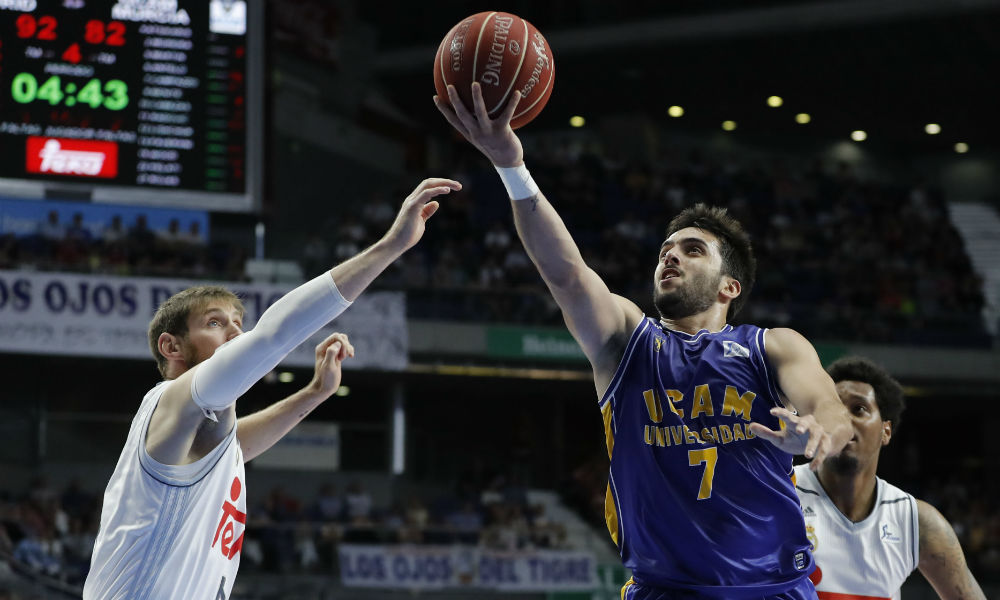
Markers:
point(329, 504)
point(466, 522)
point(52, 230)
point(114, 232)
point(41, 552)
point(359, 504)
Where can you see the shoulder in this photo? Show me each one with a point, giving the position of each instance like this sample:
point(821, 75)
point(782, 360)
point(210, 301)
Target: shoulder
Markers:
point(782, 339)
point(785, 345)
point(933, 527)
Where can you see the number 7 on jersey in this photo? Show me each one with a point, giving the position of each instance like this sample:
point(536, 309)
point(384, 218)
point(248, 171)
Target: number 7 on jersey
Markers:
point(709, 456)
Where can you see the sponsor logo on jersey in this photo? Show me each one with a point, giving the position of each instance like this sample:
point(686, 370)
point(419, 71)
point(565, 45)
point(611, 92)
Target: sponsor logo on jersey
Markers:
point(800, 561)
point(734, 350)
point(231, 516)
point(888, 535)
point(811, 536)
point(808, 511)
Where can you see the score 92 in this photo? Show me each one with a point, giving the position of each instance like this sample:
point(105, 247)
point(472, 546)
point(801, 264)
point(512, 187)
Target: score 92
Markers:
point(44, 28)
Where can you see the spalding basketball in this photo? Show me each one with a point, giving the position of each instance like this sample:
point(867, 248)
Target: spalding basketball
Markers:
point(503, 52)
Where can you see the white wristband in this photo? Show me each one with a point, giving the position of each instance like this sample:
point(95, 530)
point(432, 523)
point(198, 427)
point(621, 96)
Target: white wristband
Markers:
point(518, 181)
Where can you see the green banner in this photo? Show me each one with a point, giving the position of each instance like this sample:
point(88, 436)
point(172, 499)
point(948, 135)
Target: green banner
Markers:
point(829, 352)
point(534, 343)
point(558, 345)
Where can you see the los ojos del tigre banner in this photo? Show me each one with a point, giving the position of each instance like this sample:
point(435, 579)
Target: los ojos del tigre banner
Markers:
point(442, 567)
point(108, 316)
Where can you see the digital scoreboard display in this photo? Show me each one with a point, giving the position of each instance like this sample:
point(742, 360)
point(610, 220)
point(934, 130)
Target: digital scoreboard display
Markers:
point(148, 102)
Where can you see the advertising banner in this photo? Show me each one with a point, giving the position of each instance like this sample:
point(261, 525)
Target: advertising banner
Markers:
point(107, 316)
point(441, 567)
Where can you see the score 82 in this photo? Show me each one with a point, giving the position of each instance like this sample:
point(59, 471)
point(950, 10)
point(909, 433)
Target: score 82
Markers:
point(113, 34)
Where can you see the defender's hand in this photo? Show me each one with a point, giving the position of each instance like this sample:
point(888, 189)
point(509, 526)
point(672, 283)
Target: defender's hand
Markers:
point(329, 355)
point(408, 227)
point(493, 137)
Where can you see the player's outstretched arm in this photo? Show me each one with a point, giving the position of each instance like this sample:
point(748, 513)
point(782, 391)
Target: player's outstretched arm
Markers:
point(942, 561)
point(210, 389)
point(261, 430)
point(599, 320)
point(822, 426)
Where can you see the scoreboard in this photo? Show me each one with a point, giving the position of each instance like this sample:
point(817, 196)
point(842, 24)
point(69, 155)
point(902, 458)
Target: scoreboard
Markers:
point(144, 102)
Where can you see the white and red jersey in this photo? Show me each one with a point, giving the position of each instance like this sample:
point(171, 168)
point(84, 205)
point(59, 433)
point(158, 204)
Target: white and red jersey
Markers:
point(868, 560)
point(169, 532)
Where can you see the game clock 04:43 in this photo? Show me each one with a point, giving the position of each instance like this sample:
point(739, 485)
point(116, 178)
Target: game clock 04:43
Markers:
point(111, 94)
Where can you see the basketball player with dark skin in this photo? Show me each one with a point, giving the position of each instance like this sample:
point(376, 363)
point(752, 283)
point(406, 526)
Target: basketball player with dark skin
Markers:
point(874, 400)
point(693, 294)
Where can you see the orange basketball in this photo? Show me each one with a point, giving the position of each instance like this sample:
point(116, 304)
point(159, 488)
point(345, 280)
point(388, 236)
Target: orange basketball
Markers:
point(503, 52)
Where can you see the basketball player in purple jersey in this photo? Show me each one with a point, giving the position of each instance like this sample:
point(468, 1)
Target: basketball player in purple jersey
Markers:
point(702, 418)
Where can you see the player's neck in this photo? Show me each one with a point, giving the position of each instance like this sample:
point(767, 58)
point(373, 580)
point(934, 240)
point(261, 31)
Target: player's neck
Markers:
point(712, 320)
point(853, 494)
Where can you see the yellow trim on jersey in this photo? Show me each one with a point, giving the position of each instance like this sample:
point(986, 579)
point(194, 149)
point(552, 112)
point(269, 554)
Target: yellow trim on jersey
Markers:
point(627, 585)
point(609, 436)
point(611, 514)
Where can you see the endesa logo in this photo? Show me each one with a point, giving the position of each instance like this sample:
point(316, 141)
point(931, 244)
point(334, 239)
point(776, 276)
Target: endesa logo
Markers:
point(80, 158)
point(231, 515)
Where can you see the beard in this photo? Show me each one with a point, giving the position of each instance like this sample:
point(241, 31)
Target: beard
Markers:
point(843, 464)
point(697, 295)
point(190, 355)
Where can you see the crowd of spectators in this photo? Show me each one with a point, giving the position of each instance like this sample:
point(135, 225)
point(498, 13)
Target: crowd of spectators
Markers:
point(119, 249)
point(286, 534)
point(840, 257)
point(50, 533)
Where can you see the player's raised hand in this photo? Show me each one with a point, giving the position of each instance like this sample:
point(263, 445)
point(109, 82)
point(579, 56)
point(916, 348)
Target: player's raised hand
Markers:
point(330, 353)
point(493, 137)
point(419, 206)
point(802, 434)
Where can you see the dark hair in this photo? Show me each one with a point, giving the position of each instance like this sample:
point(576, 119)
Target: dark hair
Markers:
point(888, 392)
point(172, 316)
point(738, 261)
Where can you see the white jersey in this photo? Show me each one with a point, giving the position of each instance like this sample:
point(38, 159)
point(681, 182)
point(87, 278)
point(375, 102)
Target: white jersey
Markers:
point(169, 532)
point(866, 560)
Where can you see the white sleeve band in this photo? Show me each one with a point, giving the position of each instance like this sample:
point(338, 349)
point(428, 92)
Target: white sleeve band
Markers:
point(243, 360)
point(518, 181)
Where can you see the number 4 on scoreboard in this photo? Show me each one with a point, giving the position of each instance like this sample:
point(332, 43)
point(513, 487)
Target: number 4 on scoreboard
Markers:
point(72, 54)
point(51, 90)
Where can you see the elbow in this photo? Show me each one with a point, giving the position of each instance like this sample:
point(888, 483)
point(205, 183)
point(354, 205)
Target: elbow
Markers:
point(569, 280)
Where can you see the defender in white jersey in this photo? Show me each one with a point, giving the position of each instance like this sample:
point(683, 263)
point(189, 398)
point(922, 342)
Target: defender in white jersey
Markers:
point(868, 535)
point(175, 507)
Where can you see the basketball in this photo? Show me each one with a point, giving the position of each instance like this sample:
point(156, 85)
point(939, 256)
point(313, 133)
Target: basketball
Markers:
point(503, 52)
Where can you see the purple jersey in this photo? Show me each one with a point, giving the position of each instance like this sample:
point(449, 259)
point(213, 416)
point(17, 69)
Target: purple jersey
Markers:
point(695, 500)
